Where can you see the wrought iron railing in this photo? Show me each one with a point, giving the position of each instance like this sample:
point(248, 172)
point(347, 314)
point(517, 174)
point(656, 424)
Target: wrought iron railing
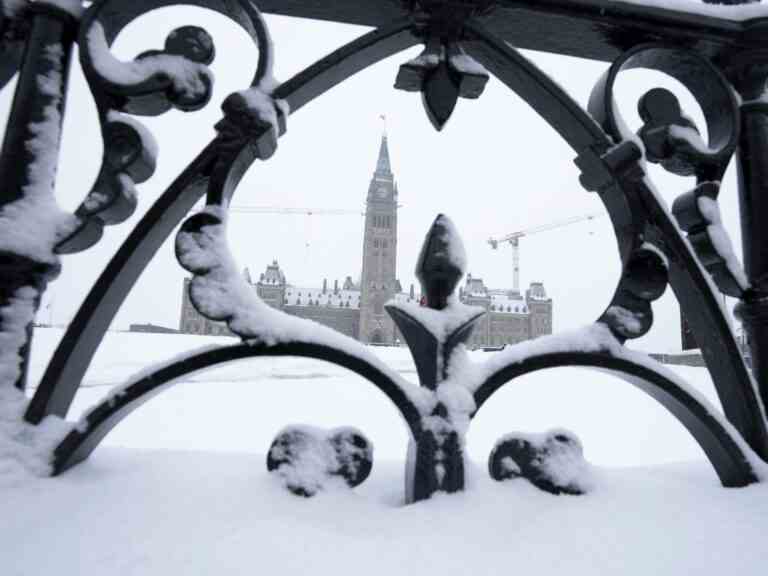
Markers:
point(719, 59)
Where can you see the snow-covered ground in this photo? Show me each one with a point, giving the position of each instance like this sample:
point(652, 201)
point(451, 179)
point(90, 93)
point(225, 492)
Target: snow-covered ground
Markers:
point(181, 487)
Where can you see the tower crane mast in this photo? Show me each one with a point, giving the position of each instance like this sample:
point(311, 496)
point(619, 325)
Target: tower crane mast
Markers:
point(513, 239)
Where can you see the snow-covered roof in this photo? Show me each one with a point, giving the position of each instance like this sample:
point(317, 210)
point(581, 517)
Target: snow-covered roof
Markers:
point(504, 302)
point(404, 297)
point(273, 275)
point(302, 296)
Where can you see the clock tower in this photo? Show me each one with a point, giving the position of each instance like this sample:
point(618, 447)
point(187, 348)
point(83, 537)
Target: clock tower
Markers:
point(377, 283)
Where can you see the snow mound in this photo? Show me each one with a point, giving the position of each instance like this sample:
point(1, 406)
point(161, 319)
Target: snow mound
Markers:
point(309, 460)
point(553, 461)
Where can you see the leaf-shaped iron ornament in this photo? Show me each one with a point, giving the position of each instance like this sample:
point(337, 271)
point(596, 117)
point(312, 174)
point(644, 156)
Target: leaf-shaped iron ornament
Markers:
point(433, 331)
point(443, 73)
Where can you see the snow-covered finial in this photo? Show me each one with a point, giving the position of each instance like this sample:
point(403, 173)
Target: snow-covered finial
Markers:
point(434, 330)
point(442, 262)
point(383, 119)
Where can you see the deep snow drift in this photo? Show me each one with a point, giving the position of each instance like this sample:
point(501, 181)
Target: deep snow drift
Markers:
point(171, 501)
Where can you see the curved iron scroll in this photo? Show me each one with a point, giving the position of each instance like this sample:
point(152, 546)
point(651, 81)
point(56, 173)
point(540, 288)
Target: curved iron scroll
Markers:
point(726, 455)
point(156, 81)
point(219, 161)
point(690, 281)
point(640, 221)
point(80, 442)
point(652, 249)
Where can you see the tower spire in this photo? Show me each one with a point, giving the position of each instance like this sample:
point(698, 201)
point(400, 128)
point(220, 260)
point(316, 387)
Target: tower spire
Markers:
point(383, 166)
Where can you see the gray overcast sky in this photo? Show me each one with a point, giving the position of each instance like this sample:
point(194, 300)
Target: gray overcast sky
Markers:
point(495, 168)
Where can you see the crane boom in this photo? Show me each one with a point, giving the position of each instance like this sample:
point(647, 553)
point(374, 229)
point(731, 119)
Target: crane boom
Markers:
point(494, 242)
point(513, 239)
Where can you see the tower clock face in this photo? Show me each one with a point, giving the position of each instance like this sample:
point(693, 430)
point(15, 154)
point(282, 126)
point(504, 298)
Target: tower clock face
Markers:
point(382, 192)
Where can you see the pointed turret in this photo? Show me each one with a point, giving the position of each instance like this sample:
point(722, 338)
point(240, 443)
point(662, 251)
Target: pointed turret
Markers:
point(383, 167)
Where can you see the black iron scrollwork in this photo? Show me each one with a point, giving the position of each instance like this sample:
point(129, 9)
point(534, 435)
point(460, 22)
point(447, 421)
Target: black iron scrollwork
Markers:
point(459, 55)
point(671, 139)
point(439, 411)
point(154, 82)
point(61, 379)
point(693, 262)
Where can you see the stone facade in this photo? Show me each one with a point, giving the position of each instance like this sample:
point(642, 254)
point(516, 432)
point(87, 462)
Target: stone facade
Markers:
point(510, 317)
point(357, 310)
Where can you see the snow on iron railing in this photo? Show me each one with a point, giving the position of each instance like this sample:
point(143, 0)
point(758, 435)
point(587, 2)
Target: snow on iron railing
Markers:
point(30, 227)
point(221, 292)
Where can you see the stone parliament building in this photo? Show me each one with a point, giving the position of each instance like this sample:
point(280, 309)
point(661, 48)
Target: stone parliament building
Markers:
point(357, 309)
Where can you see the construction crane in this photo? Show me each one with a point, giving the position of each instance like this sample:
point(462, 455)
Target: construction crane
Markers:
point(513, 239)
